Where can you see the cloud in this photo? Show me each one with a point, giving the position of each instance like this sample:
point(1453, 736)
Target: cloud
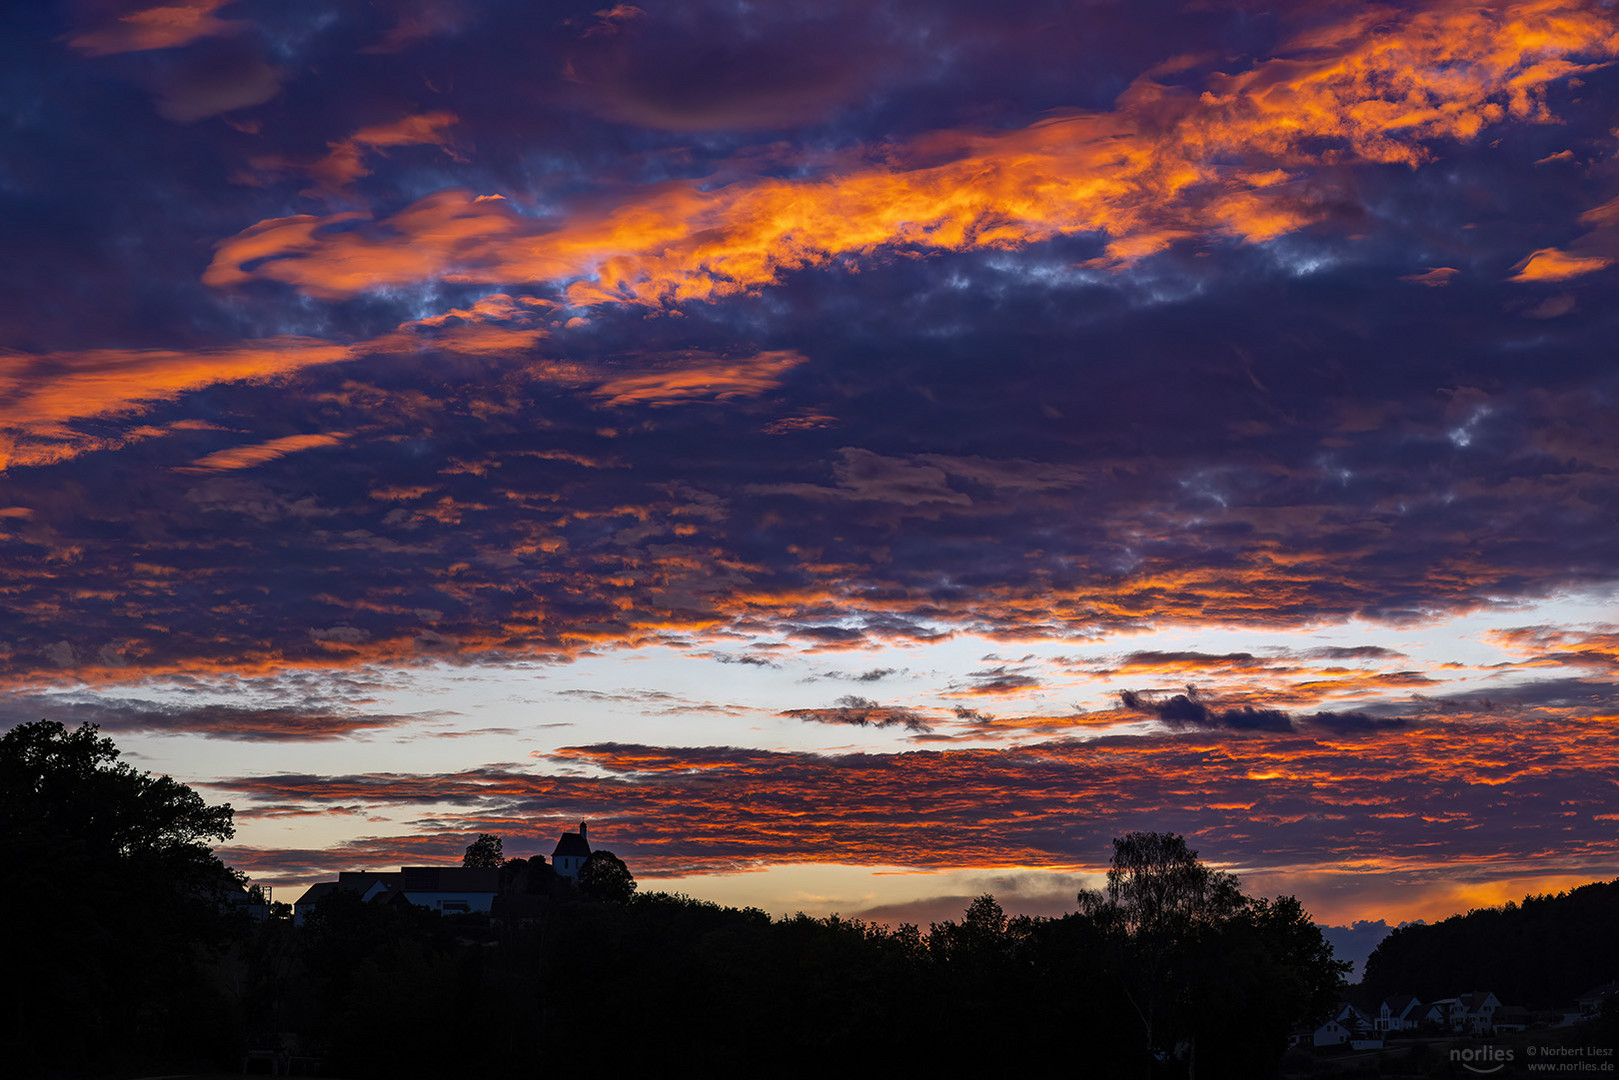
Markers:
point(1189, 711)
point(1146, 176)
point(161, 26)
point(1434, 276)
point(345, 160)
point(862, 712)
point(1552, 264)
point(1417, 801)
point(44, 393)
point(697, 377)
point(245, 457)
point(217, 721)
point(1001, 679)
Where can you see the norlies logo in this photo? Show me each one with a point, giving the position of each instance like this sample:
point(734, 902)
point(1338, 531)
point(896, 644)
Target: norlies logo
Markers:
point(1483, 1059)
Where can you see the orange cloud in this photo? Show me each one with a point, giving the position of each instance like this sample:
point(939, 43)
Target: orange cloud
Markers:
point(1462, 801)
point(1162, 167)
point(1433, 277)
point(345, 162)
point(701, 377)
point(163, 27)
point(1550, 264)
point(245, 457)
point(42, 394)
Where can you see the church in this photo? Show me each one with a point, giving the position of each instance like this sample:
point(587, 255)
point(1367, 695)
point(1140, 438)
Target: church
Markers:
point(570, 854)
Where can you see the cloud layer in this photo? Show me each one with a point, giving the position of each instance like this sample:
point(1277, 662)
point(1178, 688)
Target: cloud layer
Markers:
point(342, 339)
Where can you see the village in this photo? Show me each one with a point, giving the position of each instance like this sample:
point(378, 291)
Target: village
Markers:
point(1397, 1020)
point(1478, 1014)
point(485, 883)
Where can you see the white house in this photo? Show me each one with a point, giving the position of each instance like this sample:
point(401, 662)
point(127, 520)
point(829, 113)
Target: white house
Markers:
point(1444, 1013)
point(452, 890)
point(448, 889)
point(1352, 1018)
point(1478, 1016)
point(1402, 1012)
point(368, 883)
point(570, 854)
point(1331, 1033)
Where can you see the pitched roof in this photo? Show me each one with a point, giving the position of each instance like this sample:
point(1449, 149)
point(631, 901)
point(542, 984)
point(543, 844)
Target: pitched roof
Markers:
point(1596, 993)
point(316, 891)
point(362, 880)
point(571, 844)
point(1400, 1004)
point(420, 879)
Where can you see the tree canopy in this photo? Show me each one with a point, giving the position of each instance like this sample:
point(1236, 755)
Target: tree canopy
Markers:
point(484, 853)
point(1542, 952)
point(1214, 978)
point(123, 858)
point(605, 877)
point(68, 788)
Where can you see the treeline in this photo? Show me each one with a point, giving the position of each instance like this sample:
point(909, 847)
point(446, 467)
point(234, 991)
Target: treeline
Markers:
point(130, 950)
point(1541, 953)
point(388, 992)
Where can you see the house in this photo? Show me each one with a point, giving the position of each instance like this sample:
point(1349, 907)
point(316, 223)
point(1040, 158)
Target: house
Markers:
point(1478, 1016)
point(1591, 1001)
point(1331, 1033)
point(369, 884)
point(1357, 1022)
point(1512, 1018)
point(570, 854)
point(1402, 1012)
point(254, 902)
point(451, 890)
point(1444, 1014)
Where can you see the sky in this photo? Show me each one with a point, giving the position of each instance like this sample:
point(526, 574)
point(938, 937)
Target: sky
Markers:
point(855, 455)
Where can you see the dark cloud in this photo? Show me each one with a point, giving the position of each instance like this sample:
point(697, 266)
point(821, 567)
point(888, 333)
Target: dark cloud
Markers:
point(1190, 711)
point(1354, 652)
point(871, 675)
point(1000, 679)
point(1355, 942)
point(863, 712)
point(275, 724)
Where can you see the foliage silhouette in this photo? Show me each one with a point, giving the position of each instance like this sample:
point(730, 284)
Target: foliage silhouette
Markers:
point(605, 877)
point(375, 990)
point(1213, 978)
point(484, 853)
point(119, 862)
point(1541, 952)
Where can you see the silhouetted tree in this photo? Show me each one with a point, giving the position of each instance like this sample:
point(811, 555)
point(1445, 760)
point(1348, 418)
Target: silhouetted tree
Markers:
point(483, 853)
point(1158, 896)
point(605, 877)
point(119, 860)
point(1214, 978)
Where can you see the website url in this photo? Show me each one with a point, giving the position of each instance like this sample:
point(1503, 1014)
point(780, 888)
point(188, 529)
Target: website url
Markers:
point(1571, 1067)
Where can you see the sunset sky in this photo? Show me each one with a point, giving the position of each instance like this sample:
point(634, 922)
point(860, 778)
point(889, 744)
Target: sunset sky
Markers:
point(856, 455)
